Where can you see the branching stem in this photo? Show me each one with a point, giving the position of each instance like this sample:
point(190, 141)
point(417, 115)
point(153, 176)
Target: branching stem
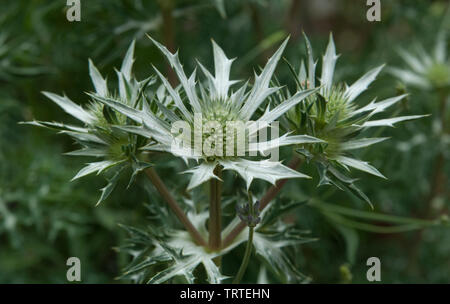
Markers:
point(265, 200)
point(164, 192)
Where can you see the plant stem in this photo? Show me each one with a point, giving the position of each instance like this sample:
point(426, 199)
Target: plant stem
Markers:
point(437, 186)
point(248, 253)
point(215, 212)
point(265, 200)
point(167, 7)
point(164, 192)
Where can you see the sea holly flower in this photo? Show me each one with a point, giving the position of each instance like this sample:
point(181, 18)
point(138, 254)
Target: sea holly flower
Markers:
point(98, 135)
point(207, 111)
point(335, 116)
point(426, 70)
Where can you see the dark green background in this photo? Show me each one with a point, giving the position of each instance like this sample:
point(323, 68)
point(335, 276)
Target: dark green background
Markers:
point(44, 218)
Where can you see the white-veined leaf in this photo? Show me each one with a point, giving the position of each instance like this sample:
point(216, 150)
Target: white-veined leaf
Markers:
point(128, 61)
point(389, 122)
point(328, 65)
point(359, 164)
point(98, 81)
point(96, 167)
point(284, 106)
point(266, 170)
point(70, 107)
point(188, 84)
point(261, 90)
point(361, 143)
point(222, 66)
point(282, 141)
point(362, 83)
point(377, 107)
point(202, 173)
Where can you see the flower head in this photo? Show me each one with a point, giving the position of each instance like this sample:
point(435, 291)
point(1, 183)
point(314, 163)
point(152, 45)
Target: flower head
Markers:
point(334, 116)
point(99, 134)
point(214, 119)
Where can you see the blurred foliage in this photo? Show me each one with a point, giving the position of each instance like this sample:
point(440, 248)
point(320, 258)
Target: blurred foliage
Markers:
point(44, 218)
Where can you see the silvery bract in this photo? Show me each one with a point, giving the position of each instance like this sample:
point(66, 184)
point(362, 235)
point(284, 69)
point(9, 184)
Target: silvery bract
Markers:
point(99, 135)
point(335, 116)
point(426, 70)
point(216, 102)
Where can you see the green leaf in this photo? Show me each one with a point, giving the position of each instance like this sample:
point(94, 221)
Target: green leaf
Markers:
point(285, 140)
point(286, 105)
point(188, 84)
point(311, 64)
point(261, 90)
point(362, 84)
point(270, 249)
point(361, 143)
point(222, 67)
point(328, 65)
point(70, 107)
point(108, 189)
point(277, 209)
point(201, 174)
point(99, 83)
point(137, 166)
point(128, 61)
point(96, 167)
point(377, 107)
point(265, 170)
point(359, 164)
point(389, 122)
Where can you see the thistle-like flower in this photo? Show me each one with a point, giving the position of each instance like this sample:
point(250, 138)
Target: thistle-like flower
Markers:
point(333, 116)
point(214, 119)
point(99, 135)
point(426, 70)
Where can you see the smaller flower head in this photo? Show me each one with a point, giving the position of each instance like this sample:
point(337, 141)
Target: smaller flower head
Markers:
point(334, 116)
point(426, 70)
point(99, 134)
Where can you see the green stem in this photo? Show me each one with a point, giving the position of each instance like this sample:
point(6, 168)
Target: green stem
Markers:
point(370, 215)
point(215, 212)
point(164, 192)
point(248, 253)
point(264, 201)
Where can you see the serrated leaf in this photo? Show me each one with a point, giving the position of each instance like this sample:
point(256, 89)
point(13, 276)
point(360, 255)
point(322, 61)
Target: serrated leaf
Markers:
point(359, 164)
point(108, 189)
point(96, 167)
point(362, 84)
point(361, 143)
point(285, 140)
point(261, 89)
point(328, 65)
point(377, 107)
point(222, 66)
point(70, 107)
point(286, 105)
point(389, 122)
point(99, 83)
point(188, 84)
point(128, 61)
point(265, 170)
point(201, 174)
